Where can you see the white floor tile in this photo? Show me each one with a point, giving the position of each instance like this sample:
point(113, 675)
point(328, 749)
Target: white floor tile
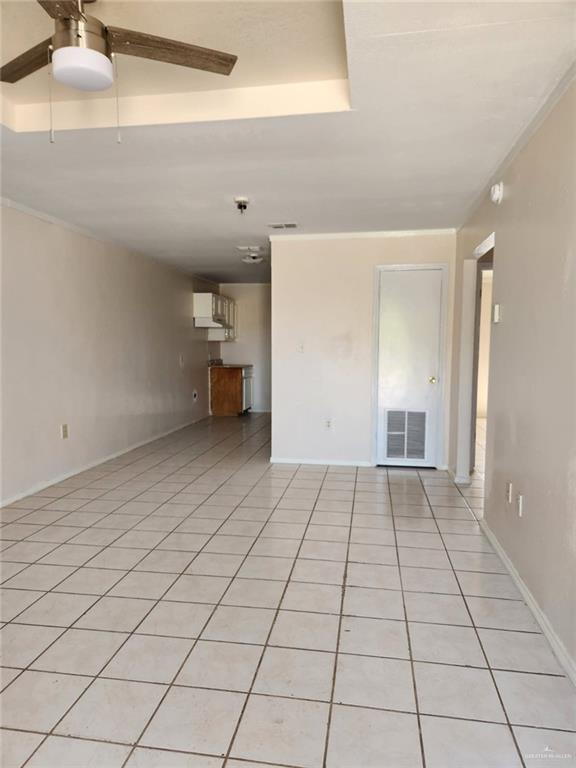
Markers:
point(370, 682)
point(224, 666)
point(373, 739)
point(457, 692)
point(112, 710)
point(72, 753)
point(16, 747)
point(541, 748)
point(290, 732)
point(545, 702)
point(157, 758)
point(295, 673)
point(457, 743)
point(194, 720)
point(37, 700)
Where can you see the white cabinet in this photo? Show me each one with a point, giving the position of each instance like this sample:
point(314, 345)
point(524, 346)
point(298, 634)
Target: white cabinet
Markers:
point(209, 310)
point(217, 314)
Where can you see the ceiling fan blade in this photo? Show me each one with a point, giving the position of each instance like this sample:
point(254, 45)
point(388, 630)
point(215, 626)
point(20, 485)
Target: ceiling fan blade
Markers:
point(171, 51)
point(27, 63)
point(62, 9)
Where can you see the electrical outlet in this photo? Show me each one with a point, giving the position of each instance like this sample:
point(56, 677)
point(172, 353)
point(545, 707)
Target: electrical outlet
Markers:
point(64, 431)
point(520, 504)
point(328, 424)
point(509, 493)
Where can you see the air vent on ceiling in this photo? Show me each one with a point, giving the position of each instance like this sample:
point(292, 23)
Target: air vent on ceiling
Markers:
point(406, 435)
point(283, 225)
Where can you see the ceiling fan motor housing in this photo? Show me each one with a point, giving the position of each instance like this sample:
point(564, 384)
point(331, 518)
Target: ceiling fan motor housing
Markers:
point(81, 54)
point(81, 33)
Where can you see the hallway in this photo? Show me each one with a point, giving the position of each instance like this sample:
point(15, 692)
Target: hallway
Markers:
point(189, 605)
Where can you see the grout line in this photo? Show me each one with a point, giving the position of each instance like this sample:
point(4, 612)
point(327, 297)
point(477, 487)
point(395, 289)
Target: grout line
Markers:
point(338, 636)
point(250, 691)
point(410, 652)
point(486, 659)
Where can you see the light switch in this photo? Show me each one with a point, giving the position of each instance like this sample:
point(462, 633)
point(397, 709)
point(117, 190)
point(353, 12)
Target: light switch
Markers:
point(496, 313)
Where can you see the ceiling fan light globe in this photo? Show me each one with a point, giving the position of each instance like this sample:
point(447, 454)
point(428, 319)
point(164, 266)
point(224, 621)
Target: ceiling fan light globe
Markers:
point(82, 68)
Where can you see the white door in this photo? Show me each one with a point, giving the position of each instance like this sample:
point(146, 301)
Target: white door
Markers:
point(409, 392)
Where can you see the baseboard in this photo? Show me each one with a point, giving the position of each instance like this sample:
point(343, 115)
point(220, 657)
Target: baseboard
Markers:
point(322, 462)
point(564, 658)
point(47, 483)
point(459, 479)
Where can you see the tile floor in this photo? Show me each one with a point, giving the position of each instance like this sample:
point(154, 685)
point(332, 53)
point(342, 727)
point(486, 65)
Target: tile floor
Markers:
point(187, 605)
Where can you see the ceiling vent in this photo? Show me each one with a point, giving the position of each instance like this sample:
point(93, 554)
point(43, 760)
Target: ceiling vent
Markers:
point(249, 248)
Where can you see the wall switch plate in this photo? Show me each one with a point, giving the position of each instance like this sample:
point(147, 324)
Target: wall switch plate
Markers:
point(496, 313)
point(509, 493)
point(64, 431)
point(181, 361)
point(520, 504)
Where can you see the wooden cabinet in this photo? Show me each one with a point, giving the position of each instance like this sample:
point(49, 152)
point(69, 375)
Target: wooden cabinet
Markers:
point(231, 389)
point(226, 391)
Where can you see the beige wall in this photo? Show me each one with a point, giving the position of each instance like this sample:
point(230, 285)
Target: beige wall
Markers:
point(531, 439)
point(323, 338)
point(252, 343)
point(484, 345)
point(91, 337)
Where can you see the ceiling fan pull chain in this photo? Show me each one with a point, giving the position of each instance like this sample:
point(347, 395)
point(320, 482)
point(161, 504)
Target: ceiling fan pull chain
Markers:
point(117, 90)
point(51, 134)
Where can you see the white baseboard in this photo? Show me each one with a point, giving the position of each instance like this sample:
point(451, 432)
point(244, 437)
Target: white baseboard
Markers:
point(564, 658)
point(322, 462)
point(459, 479)
point(47, 483)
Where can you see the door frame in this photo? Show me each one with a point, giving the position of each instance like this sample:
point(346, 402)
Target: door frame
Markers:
point(443, 373)
point(483, 264)
point(466, 368)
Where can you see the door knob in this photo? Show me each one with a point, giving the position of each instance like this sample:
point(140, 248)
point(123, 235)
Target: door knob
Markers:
point(432, 379)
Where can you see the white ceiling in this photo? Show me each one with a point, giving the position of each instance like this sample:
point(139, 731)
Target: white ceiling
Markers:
point(440, 92)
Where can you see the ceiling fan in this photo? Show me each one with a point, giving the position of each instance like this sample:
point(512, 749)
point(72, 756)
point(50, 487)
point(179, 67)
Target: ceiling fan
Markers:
point(82, 46)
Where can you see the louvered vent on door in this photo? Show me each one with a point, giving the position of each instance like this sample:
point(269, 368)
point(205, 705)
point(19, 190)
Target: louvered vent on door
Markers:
point(406, 435)
point(396, 435)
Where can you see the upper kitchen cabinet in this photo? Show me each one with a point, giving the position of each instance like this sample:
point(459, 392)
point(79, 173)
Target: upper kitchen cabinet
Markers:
point(217, 314)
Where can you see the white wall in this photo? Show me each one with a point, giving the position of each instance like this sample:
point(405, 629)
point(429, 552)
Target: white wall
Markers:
point(253, 341)
point(91, 337)
point(324, 341)
point(484, 345)
point(531, 430)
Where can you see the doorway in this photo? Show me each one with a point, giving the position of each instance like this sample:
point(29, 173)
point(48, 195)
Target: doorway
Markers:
point(410, 333)
point(481, 363)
